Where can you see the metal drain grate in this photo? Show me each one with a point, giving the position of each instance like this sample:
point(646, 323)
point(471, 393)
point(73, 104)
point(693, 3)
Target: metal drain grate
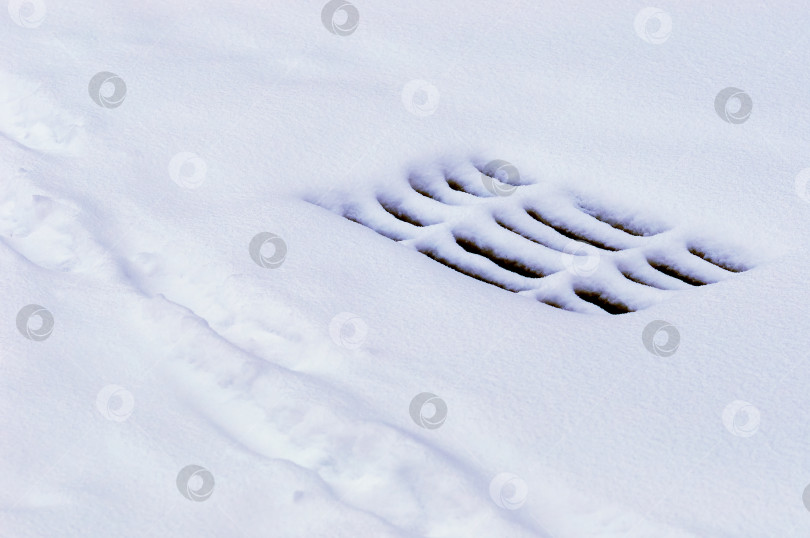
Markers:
point(564, 250)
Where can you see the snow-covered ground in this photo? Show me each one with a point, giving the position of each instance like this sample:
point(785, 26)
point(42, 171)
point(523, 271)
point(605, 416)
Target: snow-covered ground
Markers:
point(195, 341)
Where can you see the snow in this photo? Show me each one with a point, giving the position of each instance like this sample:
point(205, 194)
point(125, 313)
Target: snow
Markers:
point(231, 356)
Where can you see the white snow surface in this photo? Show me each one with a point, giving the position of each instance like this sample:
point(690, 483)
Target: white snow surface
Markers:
point(172, 347)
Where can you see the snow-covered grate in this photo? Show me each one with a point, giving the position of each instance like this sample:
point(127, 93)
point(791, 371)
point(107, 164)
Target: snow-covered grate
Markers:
point(552, 245)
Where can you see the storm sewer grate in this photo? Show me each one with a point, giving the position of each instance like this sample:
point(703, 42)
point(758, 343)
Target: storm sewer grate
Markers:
point(485, 222)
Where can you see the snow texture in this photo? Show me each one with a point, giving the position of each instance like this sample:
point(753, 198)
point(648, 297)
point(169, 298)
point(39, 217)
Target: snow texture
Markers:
point(195, 341)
